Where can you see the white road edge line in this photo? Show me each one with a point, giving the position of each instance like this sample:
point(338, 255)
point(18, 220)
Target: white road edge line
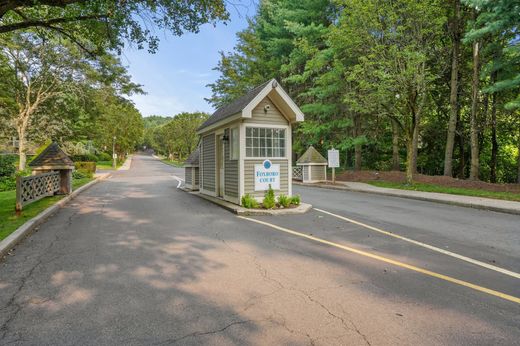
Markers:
point(430, 247)
point(180, 180)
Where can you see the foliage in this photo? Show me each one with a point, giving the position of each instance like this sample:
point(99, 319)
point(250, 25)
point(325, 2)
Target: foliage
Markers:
point(104, 156)
point(269, 201)
point(374, 79)
point(284, 201)
point(498, 20)
point(87, 166)
point(7, 183)
point(84, 158)
point(249, 201)
point(7, 165)
point(82, 173)
point(97, 26)
point(174, 137)
point(295, 200)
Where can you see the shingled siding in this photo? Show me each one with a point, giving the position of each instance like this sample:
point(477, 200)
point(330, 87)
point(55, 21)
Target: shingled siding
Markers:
point(249, 177)
point(196, 176)
point(208, 162)
point(318, 172)
point(271, 117)
point(230, 171)
point(187, 175)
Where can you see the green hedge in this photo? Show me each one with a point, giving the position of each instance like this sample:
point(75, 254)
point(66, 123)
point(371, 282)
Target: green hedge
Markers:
point(104, 157)
point(86, 166)
point(7, 165)
point(84, 158)
point(7, 183)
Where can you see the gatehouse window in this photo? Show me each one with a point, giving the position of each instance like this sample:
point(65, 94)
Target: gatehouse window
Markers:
point(264, 142)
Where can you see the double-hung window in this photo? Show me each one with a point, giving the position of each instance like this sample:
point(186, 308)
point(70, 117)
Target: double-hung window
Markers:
point(265, 142)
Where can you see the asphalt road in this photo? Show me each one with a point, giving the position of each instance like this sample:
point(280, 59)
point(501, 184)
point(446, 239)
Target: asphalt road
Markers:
point(136, 261)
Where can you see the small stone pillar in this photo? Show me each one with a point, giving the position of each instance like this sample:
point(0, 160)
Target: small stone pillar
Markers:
point(314, 166)
point(53, 158)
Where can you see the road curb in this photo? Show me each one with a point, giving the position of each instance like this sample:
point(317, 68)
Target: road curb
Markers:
point(238, 210)
point(28, 227)
point(419, 198)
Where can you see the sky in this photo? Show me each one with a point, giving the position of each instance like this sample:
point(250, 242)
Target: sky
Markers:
point(175, 77)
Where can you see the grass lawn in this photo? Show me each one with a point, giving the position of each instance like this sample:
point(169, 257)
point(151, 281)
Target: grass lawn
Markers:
point(106, 165)
point(450, 190)
point(10, 221)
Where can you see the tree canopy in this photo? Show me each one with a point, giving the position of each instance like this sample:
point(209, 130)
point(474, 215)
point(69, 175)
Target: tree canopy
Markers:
point(428, 86)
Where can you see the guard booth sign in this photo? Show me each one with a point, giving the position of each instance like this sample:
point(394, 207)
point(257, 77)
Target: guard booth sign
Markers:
point(333, 155)
point(267, 174)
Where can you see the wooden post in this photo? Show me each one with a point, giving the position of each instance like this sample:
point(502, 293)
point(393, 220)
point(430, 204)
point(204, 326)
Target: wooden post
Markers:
point(19, 194)
point(65, 181)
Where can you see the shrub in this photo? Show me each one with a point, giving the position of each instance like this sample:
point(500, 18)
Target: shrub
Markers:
point(284, 201)
point(249, 201)
point(7, 183)
point(84, 157)
point(7, 165)
point(295, 200)
point(82, 173)
point(104, 157)
point(87, 166)
point(269, 201)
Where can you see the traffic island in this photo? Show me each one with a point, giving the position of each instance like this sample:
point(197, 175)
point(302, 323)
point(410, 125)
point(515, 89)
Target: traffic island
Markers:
point(302, 208)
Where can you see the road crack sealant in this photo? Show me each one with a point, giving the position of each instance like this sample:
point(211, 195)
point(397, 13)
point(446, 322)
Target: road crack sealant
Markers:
point(347, 325)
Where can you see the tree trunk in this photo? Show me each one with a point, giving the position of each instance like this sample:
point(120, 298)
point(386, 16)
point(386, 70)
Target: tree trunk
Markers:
point(474, 170)
point(395, 146)
point(454, 105)
point(518, 158)
point(494, 141)
point(415, 142)
point(357, 147)
point(21, 149)
point(409, 160)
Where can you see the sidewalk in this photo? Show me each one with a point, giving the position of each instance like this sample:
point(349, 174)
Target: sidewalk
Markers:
point(502, 206)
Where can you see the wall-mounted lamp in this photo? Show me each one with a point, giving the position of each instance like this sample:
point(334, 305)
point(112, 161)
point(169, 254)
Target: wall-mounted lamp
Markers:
point(266, 108)
point(225, 138)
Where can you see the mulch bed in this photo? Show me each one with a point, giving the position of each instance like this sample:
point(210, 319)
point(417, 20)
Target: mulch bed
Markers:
point(400, 177)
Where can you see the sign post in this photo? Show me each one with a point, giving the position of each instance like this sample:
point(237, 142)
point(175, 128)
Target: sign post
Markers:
point(333, 156)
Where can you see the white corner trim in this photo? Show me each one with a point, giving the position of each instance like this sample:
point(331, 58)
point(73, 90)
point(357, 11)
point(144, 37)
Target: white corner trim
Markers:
point(241, 157)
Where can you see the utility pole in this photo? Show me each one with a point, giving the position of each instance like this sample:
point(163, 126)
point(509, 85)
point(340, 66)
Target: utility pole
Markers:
point(114, 157)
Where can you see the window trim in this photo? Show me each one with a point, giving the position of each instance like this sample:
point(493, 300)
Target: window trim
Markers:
point(266, 126)
point(234, 153)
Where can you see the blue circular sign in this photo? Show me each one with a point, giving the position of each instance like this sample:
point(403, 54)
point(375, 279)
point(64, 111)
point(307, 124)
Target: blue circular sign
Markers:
point(267, 164)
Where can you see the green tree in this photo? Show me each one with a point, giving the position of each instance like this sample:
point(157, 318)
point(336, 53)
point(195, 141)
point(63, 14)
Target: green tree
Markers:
point(100, 24)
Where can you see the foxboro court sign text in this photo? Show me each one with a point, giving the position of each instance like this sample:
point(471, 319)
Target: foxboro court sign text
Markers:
point(267, 174)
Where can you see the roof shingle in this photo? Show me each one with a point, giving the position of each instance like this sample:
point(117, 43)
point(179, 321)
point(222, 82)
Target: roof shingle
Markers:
point(52, 156)
point(234, 107)
point(311, 156)
point(193, 159)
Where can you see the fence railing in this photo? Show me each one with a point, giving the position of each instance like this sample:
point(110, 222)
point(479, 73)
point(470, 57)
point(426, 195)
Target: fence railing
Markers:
point(297, 173)
point(32, 188)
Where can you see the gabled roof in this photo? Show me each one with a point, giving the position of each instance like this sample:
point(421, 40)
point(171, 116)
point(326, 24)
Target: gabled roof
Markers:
point(52, 156)
point(193, 159)
point(311, 156)
point(243, 106)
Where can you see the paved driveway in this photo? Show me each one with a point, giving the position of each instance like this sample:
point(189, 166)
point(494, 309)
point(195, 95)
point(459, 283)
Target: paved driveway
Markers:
point(135, 261)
